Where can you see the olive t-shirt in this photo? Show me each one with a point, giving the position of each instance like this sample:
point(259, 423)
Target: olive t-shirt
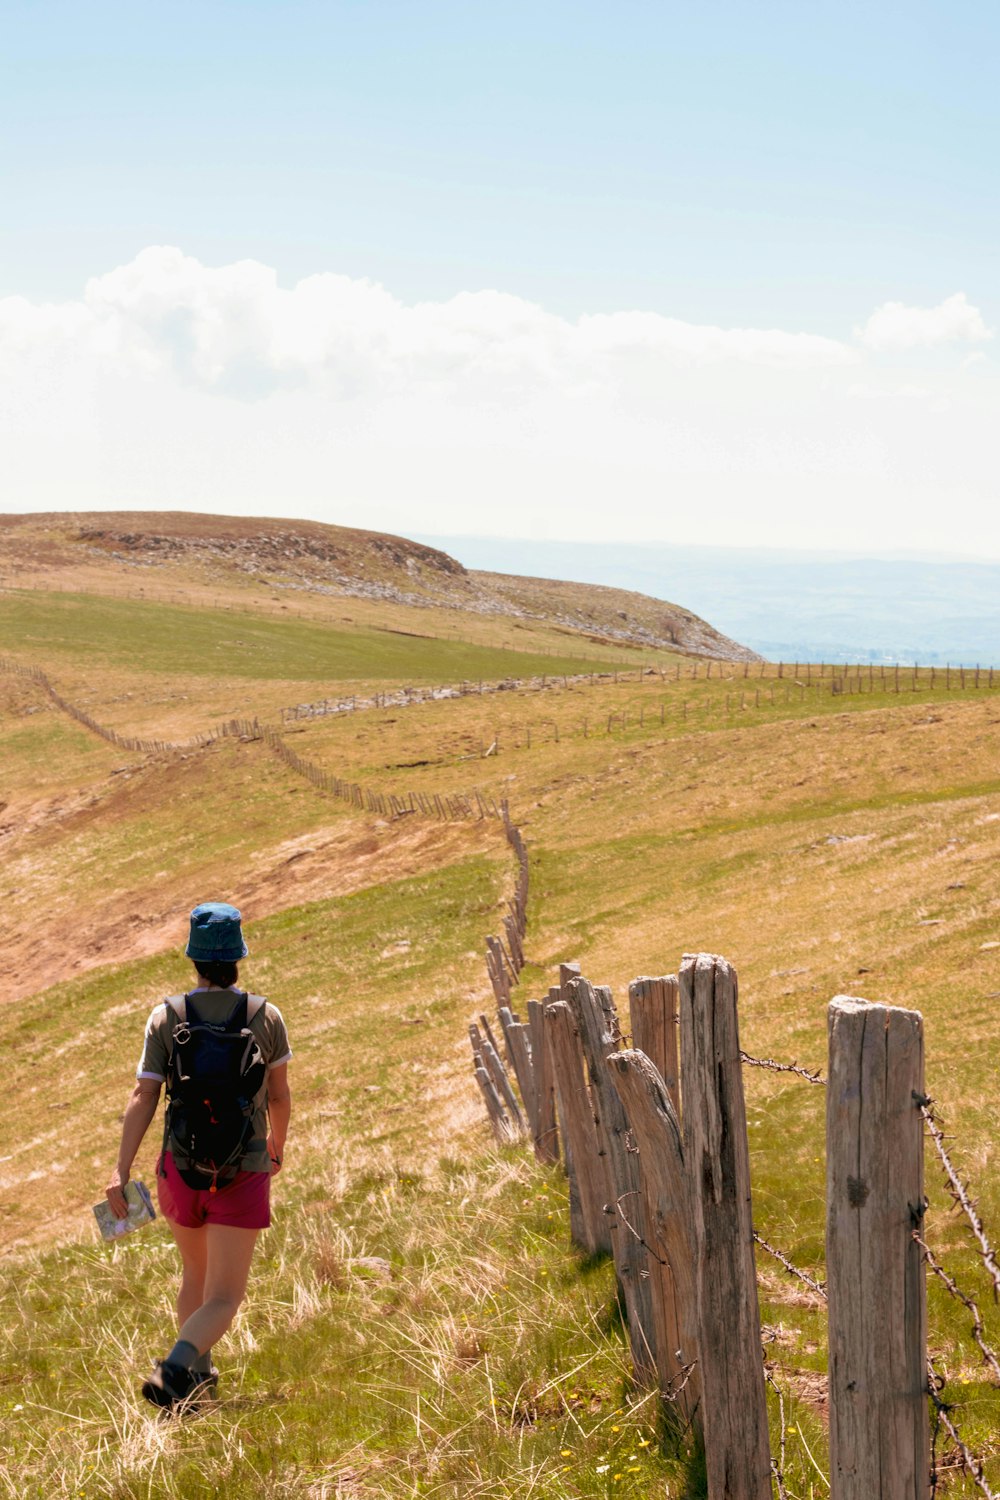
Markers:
point(215, 1006)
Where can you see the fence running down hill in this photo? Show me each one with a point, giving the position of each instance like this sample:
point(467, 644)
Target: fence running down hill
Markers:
point(449, 806)
point(653, 1140)
point(654, 1143)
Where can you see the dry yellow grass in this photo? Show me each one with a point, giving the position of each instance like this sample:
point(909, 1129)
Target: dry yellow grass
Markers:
point(823, 846)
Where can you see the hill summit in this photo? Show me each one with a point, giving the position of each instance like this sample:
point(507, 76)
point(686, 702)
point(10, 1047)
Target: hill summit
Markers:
point(79, 549)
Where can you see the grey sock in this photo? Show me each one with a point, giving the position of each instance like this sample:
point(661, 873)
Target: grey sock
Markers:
point(183, 1353)
point(203, 1364)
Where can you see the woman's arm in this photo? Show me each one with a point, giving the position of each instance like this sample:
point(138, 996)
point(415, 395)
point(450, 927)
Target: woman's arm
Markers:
point(279, 1109)
point(139, 1113)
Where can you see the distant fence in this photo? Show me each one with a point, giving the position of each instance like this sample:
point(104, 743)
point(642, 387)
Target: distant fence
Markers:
point(446, 807)
point(798, 680)
point(772, 685)
point(654, 1143)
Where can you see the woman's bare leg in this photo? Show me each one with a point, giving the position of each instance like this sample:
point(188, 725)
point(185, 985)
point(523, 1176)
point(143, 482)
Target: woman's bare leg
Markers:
point(193, 1245)
point(229, 1252)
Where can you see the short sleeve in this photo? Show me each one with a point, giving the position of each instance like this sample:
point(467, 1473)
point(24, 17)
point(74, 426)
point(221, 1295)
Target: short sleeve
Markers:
point(155, 1059)
point(279, 1050)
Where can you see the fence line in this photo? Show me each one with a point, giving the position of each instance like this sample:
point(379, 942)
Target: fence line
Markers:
point(972, 1465)
point(954, 1290)
point(819, 1287)
point(960, 1195)
point(530, 734)
point(776, 1067)
point(448, 806)
point(658, 1214)
point(595, 1010)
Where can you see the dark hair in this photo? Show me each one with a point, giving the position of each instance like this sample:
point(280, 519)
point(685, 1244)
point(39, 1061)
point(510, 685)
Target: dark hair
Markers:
point(222, 974)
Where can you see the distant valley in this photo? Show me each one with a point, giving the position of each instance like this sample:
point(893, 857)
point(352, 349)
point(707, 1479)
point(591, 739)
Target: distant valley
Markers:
point(804, 606)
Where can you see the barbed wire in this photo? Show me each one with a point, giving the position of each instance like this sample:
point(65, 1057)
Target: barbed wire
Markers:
point(989, 1357)
point(777, 1067)
point(960, 1194)
point(778, 1464)
point(635, 1193)
point(793, 1270)
point(677, 1382)
point(973, 1466)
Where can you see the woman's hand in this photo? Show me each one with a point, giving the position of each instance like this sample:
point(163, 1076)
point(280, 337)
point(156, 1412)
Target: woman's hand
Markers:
point(275, 1156)
point(115, 1191)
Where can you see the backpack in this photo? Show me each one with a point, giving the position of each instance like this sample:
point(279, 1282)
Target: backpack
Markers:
point(216, 1069)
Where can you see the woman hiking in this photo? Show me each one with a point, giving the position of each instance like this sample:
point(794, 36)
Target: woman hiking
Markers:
point(223, 1055)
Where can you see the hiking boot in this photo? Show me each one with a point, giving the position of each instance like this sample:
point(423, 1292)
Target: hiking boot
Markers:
point(174, 1385)
point(207, 1383)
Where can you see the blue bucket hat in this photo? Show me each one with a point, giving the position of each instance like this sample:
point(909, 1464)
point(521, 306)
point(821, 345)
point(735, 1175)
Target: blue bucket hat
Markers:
point(216, 935)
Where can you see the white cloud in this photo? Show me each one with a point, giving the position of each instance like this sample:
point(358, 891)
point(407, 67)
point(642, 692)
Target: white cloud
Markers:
point(233, 329)
point(896, 326)
point(169, 384)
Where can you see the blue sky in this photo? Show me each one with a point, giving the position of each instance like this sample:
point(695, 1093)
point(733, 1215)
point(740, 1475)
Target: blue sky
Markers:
point(781, 167)
point(721, 162)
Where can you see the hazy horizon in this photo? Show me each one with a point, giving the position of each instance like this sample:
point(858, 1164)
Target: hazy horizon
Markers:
point(785, 603)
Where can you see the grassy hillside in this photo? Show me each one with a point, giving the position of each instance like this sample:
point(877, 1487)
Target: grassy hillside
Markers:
point(153, 637)
point(302, 565)
point(419, 1324)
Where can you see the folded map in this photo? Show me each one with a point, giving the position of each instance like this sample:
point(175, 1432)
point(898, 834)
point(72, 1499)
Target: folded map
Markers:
point(140, 1211)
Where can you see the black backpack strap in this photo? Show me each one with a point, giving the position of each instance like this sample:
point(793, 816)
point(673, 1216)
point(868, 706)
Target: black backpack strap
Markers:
point(237, 1017)
point(177, 1011)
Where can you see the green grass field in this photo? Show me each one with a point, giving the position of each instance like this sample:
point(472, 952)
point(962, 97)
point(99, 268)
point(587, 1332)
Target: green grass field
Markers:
point(419, 1324)
point(124, 635)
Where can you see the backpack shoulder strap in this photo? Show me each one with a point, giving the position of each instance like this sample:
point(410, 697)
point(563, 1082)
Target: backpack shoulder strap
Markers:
point(178, 1004)
point(176, 1014)
point(255, 1004)
point(239, 1017)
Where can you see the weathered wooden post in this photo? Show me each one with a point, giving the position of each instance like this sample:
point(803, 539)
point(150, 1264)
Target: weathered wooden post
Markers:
point(671, 1265)
point(497, 973)
point(519, 1051)
point(876, 1278)
point(588, 1188)
point(654, 1014)
point(567, 973)
point(717, 1155)
point(503, 1130)
point(484, 1051)
point(546, 1135)
point(625, 1204)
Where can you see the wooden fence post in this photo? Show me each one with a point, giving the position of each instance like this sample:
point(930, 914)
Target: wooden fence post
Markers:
point(599, 1033)
point(589, 1224)
point(546, 1136)
point(486, 1054)
point(567, 973)
point(734, 1402)
point(876, 1277)
point(654, 1013)
point(499, 1119)
point(497, 973)
point(519, 1052)
point(657, 1132)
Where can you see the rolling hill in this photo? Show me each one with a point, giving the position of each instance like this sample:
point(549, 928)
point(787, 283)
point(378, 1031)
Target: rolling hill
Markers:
point(160, 551)
point(419, 1323)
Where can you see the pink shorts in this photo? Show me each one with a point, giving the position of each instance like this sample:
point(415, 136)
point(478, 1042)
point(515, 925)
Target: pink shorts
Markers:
point(244, 1203)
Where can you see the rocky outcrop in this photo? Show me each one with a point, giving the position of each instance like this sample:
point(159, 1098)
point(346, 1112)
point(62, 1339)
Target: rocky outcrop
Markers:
point(308, 557)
